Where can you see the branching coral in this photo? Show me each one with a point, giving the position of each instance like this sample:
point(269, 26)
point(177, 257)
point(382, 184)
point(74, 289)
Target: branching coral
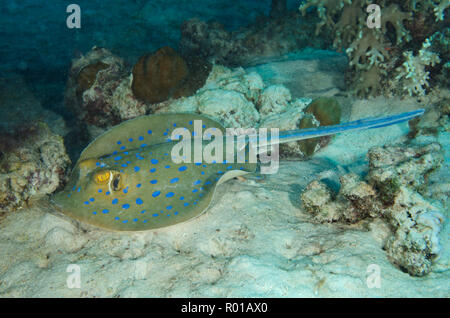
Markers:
point(376, 53)
point(412, 74)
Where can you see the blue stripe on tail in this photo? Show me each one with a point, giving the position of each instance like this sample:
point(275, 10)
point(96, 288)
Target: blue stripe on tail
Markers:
point(366, 123)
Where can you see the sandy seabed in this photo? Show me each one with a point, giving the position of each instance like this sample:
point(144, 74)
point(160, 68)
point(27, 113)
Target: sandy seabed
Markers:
point(256, 240)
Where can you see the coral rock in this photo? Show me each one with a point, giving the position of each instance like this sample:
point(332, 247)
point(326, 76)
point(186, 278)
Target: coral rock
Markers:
point(395, 173)
point(274, 99)
point(33, 162)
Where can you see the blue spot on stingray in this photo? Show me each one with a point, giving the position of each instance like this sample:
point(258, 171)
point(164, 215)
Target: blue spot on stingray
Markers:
point(130, 140)
point(92, 199)
point(174, 125)
point(219, 172)
point(165, 133)
point(125, 206)
point(195, 202)
point(241, 168)
point(116, 218)
point(213, 161)
point(204, 166)
point(108, 193)
point(198, 163)
point(175, 213)
point(117, 158)
point(139, 201)
point(126, 153)
point(135, 220)
point(181, 198)
point(152, 170)
point(143, 211)
point(182, 168)
point(169, 207)
point(115, 201)
point(155, 215)
point(141, 138)
point(94, 212)
point(174, 180)
point(154, 181)
point(195, 190)
point(190, 122)
point(170, 194)
point(149, 132)
point(143, 145)
point(156, 193)
point(125, 190)
point(145, 221)
point(167, 167)
point(105, 211)
point(201, 194)
point(119, 142)
point(124, 165)
point(204, 126)
point(197, 182)
point(154, 161)
point(186, 204)
point(125, 221)
point(138, 185)
point(98, 163)
point(68, 195)
point(136, 169)
point(207, 182)
point(229, 167)
point(122, 148)
point(203, 172)
point(86, 202)
point(79, 189)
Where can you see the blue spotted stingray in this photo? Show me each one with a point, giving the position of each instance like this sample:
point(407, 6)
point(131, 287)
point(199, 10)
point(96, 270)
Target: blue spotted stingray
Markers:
point(127, 180)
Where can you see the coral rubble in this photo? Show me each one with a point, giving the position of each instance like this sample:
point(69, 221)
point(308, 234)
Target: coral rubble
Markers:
point(401, 56)
point(392, 192)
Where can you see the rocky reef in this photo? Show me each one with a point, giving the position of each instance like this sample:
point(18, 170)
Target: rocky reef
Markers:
point(391, 191)
point(33, 163)
point(281, 32)
point(103, 92)
point(405, 55)
point(99, 92)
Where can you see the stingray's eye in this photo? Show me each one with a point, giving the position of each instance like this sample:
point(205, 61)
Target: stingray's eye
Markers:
point(116, 184)
point(102, 177)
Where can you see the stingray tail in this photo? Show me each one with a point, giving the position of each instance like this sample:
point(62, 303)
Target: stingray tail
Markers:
point(366, 123)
